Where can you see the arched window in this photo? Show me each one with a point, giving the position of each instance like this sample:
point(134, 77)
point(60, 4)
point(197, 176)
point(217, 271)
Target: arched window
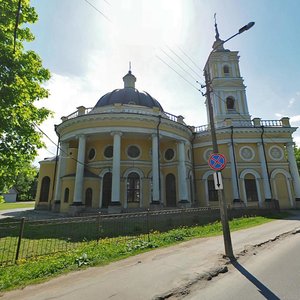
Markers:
point(133, 187)
point(88, 197)
point(45, 187)
point(230, 103)
point(171, 190)
point(106, 189)
point(226, 70)
point(212, 192)
point(66, 195)
point(251, 190)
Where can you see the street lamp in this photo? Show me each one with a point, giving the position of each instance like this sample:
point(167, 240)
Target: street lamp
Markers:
point(223, 206)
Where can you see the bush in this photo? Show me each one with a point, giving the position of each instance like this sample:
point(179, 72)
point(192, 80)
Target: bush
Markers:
point(2, 199)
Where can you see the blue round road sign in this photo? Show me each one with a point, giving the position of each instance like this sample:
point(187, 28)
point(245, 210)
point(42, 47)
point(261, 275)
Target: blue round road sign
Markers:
point(217, 161)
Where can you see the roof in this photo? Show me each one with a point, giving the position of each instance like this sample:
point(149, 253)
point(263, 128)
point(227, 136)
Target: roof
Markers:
point(128, 95)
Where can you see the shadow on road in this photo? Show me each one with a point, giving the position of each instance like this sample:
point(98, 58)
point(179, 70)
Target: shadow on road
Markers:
point(268, 294)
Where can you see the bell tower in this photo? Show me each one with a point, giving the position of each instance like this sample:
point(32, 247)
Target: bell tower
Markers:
point(228, 94)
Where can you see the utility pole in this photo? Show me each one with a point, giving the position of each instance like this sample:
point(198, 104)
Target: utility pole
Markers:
point(222, 201)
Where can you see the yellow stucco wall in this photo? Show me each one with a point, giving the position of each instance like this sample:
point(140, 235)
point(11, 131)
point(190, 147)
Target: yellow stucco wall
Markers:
point(46, 170)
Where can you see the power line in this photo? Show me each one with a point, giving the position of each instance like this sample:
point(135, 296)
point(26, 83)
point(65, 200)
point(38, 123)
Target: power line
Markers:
point(243, 117)
point(178, 73)
point(197, 74)
point(67, 155)
point(99, 11)
point(50, 152)
point(189, 59)
point(196, 80)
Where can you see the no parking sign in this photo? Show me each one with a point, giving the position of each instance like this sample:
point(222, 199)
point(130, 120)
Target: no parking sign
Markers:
point(217, 161)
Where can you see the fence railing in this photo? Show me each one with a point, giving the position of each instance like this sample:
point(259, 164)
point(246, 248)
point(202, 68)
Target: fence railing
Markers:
point(25, 239)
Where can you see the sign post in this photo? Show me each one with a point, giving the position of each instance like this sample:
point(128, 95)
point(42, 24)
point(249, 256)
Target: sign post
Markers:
point(217, 162)
point(218, 181)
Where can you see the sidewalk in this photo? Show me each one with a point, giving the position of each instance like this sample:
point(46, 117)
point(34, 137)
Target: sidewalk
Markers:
point(150, 274)
point(29, 213)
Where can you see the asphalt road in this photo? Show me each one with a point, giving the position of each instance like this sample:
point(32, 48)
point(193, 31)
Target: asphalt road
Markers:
point(273, 273)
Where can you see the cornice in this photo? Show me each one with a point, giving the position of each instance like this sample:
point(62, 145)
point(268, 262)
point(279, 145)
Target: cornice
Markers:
point(117, 116)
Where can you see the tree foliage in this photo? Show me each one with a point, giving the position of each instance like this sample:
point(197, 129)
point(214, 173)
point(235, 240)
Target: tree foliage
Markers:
point(26, 182)
point(21, 76)
point(297, 155)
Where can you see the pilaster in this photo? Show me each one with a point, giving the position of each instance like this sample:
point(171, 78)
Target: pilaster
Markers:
point(115, 204)
point(265, 176)
point(155, 170)
point(182, 177)
point(294, 170)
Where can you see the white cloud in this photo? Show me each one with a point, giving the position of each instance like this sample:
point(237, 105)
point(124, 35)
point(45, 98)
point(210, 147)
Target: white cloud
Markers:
point(66, 93)
point(295, 119)
point(95, 55)
point(291, 102)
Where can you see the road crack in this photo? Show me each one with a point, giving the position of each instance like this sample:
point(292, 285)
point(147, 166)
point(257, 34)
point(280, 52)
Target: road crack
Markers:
point(185, 289)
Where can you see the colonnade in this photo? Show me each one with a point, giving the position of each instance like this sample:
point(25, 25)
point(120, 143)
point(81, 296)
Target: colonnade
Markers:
point(116, 170)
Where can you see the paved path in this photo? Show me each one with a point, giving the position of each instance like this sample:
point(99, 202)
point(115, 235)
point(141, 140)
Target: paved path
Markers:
point(29, 213)
point(147, 275)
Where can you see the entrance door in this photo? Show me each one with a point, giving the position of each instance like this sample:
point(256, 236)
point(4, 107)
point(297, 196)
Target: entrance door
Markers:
point(106, 189)
point(171, 190)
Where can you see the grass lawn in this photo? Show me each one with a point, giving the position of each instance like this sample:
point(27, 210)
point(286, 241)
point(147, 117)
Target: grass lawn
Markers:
point(107, 250)
point(6, 206)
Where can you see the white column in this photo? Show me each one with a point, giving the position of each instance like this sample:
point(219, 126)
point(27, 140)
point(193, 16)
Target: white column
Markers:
point(234, 182)
point(116, 169)
point(182, 182)
point(294, 169)
point(79, 171)
point(155, 169)
point(61, 169)
point(264, 171)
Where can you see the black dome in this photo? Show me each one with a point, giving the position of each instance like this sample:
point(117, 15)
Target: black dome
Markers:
point(128, 95)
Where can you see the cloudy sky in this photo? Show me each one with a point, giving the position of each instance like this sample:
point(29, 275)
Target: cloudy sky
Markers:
point(87, 45)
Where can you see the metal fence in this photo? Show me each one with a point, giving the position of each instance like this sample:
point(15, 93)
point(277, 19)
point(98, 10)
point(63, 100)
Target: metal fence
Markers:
point(25, 239)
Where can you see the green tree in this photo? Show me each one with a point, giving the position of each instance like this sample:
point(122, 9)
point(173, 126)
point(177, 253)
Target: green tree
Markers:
point(26, 182)
point(297, 155)
point(21, 76)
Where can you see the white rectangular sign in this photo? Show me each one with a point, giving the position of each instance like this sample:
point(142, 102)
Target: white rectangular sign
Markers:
point(218, 181)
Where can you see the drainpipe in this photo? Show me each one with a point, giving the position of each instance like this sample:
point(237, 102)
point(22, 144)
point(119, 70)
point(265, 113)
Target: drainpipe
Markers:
point(234, 161)
point(158, 148)
point(264, 150)
point(193, 168)
point(55, 168)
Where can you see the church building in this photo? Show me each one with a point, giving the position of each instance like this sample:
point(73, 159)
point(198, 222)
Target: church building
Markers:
point(126, 153)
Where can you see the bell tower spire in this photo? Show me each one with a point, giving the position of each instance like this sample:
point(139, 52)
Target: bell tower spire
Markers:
point(216, 28)
point(228, 90)
point(218, 43)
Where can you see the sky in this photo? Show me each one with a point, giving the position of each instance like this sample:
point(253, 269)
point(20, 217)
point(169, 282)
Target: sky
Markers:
point(87, 46)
